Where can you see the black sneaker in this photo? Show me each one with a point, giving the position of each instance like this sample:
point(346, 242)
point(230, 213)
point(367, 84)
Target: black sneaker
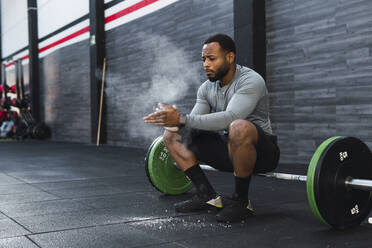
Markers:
point(196, 204)
point(237, 211)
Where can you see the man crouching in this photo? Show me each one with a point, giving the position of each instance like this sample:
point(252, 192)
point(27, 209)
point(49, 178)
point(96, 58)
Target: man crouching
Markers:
point(228, 128)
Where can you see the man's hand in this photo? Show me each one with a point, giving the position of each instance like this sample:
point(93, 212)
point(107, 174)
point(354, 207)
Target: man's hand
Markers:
point(165, 115)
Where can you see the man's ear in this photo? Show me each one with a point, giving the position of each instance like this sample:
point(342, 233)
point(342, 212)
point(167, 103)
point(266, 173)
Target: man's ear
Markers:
point(230, 57)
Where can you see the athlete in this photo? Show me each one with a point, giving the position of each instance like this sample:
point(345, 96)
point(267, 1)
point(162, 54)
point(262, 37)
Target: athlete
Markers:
point(228, 128)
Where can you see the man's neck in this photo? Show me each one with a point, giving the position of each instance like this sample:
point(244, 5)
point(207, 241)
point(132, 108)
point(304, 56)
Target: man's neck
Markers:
point(229, 76)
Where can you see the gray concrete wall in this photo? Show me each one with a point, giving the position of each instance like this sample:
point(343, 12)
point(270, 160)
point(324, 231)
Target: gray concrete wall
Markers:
point(65, 93)
point(319, 62)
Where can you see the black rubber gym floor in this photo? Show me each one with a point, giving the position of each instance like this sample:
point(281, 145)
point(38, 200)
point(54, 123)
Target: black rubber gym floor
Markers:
point(73, 195)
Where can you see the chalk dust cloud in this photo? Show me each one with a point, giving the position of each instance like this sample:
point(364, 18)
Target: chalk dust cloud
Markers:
point(168, 75)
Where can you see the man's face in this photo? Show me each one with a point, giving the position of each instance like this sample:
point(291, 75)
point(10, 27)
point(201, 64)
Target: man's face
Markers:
point(216, 61)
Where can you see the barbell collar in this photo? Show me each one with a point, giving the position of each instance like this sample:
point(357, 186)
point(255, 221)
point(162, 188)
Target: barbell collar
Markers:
point(362, 184)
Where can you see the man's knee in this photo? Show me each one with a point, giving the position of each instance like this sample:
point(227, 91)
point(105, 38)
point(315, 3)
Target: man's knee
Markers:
point(242, 131)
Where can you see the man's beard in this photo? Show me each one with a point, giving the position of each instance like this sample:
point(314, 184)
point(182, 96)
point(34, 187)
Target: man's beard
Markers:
point(222, 71)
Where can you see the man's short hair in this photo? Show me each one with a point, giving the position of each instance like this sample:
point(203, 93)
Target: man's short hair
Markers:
point(224, 40)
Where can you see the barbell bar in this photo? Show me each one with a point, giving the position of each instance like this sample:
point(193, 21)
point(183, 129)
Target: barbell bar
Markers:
point(283, 176)
point(362, 184)
point(338, 180)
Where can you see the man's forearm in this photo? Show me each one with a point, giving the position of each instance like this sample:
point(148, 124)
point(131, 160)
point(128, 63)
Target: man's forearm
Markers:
point(239, 107)
point(211, 122)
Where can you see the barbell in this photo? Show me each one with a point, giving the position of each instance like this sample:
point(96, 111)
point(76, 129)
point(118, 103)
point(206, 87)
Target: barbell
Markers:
point(338, 181)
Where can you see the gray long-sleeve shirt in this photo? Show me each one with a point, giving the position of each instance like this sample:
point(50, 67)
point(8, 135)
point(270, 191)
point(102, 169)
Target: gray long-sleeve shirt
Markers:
point(245, 97)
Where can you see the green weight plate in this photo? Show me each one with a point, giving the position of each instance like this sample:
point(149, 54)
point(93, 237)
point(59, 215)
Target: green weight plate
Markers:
point(310, 186)
point(341, 206)
point(162, 172)
point(336, 160)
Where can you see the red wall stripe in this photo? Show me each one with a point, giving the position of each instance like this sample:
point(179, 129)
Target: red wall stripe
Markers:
point(108, 19)
point(69, 37)
point(129, 10)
